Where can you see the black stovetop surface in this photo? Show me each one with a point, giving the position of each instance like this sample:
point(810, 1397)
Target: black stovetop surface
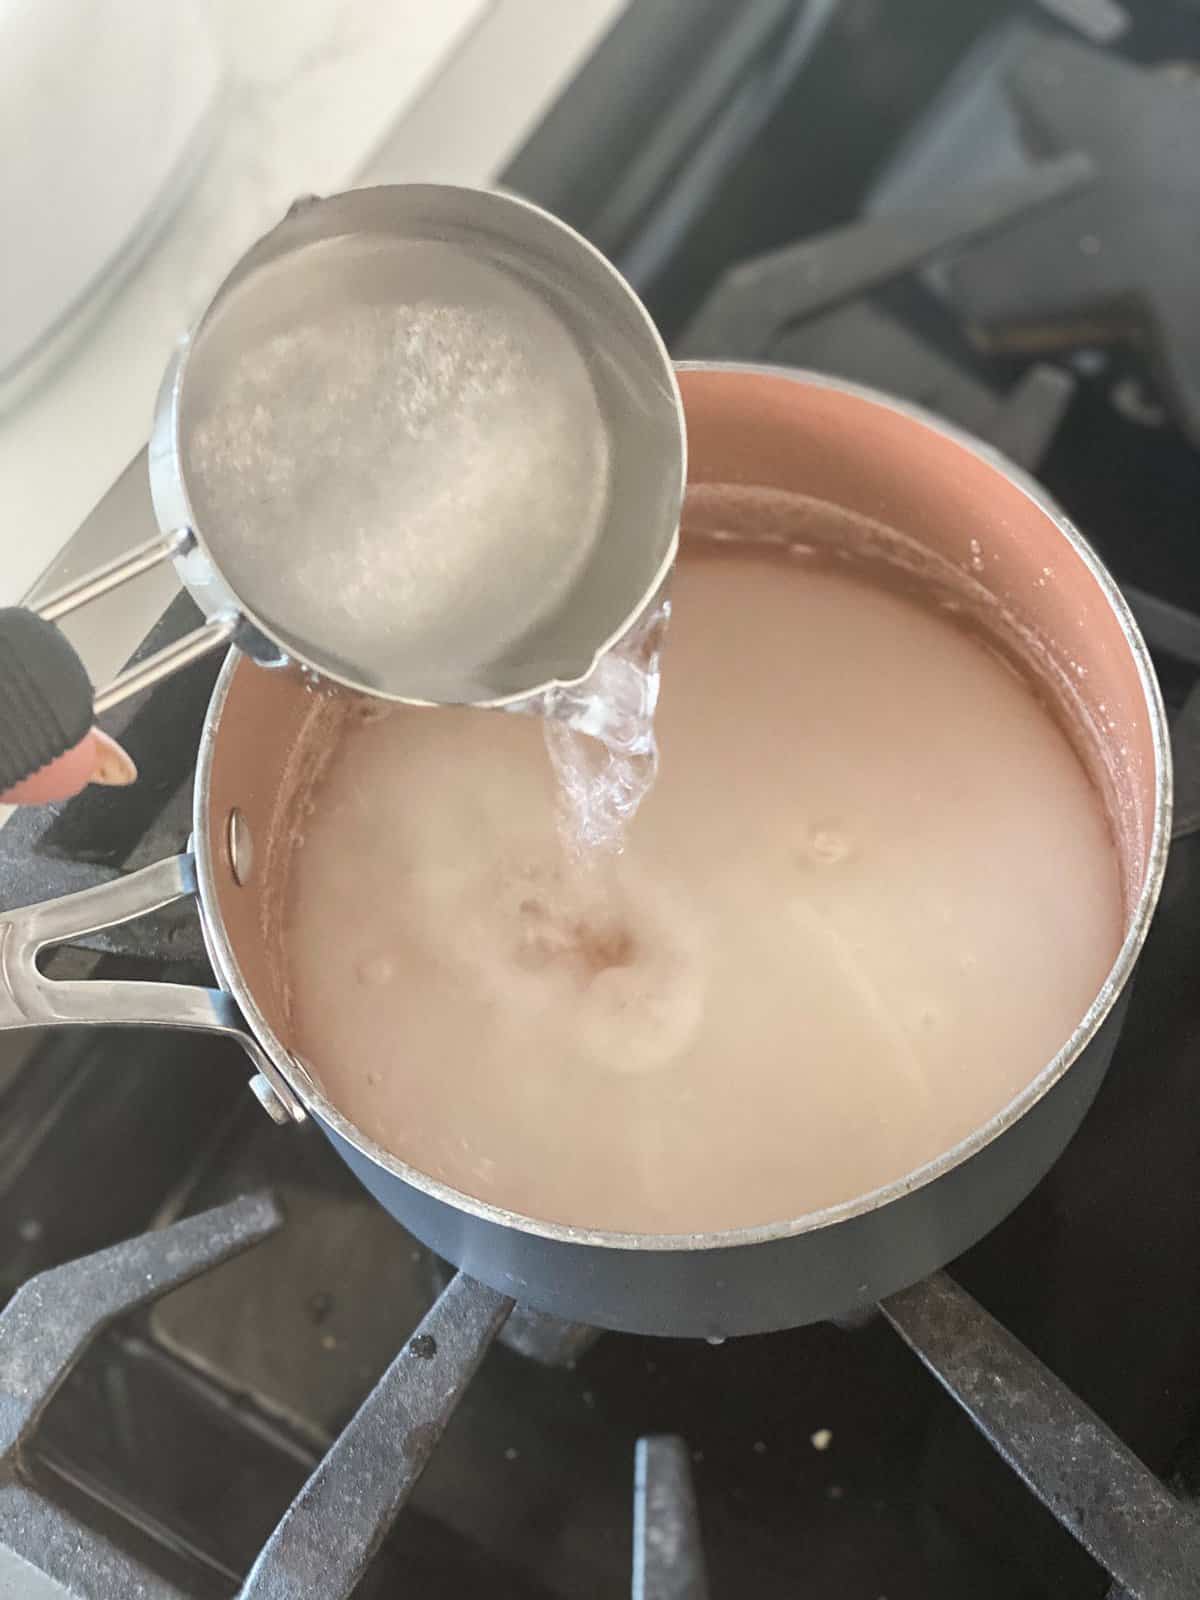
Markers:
point(188, 1430)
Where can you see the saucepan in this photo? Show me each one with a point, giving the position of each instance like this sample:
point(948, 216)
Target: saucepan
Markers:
point(783, 430)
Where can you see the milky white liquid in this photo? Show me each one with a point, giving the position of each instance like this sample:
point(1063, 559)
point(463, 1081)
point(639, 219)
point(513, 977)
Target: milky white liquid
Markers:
point(870, 895)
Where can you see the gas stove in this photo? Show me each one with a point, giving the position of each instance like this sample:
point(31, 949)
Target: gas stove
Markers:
point(224, 1370)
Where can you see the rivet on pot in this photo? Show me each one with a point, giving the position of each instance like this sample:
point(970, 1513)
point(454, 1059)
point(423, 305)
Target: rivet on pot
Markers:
point(240, 846)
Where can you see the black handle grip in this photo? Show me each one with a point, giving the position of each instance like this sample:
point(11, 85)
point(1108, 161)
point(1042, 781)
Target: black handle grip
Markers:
point(45, 695)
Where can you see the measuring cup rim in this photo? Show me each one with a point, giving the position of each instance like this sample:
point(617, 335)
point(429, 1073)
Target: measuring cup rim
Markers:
point(202, 571)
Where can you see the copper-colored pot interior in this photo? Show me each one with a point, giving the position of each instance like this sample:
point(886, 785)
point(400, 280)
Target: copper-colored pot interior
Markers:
point(836, 445)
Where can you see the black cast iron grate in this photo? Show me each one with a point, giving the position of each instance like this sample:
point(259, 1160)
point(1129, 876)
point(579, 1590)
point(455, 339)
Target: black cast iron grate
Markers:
point(1143, 1537)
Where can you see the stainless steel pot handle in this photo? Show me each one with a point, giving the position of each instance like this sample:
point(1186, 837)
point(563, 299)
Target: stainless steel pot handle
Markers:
point(28, 998)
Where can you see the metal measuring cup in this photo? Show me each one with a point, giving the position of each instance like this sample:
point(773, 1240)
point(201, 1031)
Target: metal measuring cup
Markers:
point(425, 442)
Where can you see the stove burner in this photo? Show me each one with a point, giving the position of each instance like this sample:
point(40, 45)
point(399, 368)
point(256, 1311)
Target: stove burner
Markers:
point(758, 300)
point(1147, 1542)
point(337, 1521)
point(1118, 261)
point(44, 1330)
point(668, 1561)
point(331, 1531)
point(293, 1333)
point(1094, 1486)
point(1141, 1535)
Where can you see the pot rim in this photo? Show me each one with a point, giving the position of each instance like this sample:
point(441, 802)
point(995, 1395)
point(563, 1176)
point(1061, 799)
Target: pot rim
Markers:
point(763, 1233)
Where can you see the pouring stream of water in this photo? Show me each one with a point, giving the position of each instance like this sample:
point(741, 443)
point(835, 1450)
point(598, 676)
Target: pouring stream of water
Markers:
point(600, 737)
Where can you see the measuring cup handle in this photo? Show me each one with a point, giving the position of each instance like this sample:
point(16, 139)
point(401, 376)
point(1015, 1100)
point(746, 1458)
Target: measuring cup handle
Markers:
point(46, 699)
point(162, 547)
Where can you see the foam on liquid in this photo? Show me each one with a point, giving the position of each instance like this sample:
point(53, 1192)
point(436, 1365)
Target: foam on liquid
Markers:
point(870, 895)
